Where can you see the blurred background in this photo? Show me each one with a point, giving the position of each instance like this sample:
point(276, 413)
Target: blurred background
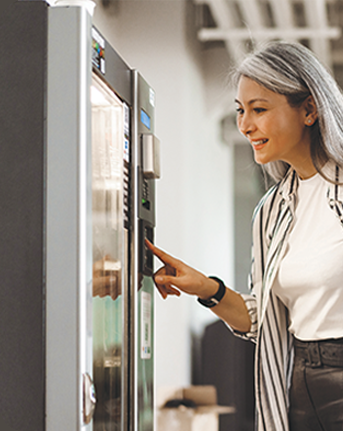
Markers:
point(210, 183)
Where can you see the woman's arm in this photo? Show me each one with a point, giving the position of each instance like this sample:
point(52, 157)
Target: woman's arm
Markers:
point(176, 275)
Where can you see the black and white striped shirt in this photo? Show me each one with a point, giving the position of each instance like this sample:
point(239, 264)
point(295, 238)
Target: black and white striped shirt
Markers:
point(272, 221)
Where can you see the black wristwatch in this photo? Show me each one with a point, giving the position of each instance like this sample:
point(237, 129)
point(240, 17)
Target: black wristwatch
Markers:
point(217, 297)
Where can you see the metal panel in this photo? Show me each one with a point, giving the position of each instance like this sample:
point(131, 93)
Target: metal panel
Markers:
point(22, 152)
point(142, 292)
point(69, 255)
point(117, 73)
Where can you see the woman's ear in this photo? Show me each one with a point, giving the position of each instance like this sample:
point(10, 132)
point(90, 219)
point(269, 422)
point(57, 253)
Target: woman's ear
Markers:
point(311, 113)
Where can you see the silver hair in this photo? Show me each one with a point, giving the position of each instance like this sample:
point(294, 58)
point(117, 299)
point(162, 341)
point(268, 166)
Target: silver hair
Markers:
point(293, 70)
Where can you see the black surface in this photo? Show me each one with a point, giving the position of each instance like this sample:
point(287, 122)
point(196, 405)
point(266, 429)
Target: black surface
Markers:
point(117, 74)
point(4, 5)
point(23, 30)
point(227, 362)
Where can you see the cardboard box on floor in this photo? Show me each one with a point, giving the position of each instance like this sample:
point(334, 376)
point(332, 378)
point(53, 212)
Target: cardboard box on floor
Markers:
point(205, 417)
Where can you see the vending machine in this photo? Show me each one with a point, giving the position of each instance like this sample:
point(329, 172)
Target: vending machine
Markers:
point(79, 160)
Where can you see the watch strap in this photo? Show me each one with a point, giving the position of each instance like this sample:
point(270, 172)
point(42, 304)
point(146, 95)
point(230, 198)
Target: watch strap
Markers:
point(217, 297)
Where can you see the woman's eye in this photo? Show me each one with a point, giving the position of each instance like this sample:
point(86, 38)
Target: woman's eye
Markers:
point(259, 110)
point(239, 111)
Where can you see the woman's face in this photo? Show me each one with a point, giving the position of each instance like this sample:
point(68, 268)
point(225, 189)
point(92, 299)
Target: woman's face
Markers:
point(275, 130)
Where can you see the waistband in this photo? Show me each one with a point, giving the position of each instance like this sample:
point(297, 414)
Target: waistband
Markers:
point(322, 352)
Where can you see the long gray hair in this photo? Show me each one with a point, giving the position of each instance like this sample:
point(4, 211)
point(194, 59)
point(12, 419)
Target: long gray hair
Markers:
point(293, 70)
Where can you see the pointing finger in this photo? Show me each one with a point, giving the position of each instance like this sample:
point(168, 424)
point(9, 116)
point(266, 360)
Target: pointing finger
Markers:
point(162, 255)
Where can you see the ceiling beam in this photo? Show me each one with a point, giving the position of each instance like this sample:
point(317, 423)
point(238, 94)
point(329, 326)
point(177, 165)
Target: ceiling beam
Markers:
point(316, 16)
point(236, 34)
point(224, 20)
point(251, 14)
point(283, 15)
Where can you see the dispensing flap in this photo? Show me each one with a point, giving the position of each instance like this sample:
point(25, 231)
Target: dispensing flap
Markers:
point(151, 156)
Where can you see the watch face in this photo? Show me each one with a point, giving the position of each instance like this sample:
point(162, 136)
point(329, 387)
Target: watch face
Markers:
point(217, 297)
point(207, 302)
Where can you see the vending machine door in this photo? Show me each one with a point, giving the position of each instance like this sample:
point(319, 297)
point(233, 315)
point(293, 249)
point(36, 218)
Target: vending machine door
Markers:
point(109, 259)
point(111, 98)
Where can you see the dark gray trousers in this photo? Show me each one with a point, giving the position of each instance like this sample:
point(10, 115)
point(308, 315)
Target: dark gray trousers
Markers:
point(316, 397)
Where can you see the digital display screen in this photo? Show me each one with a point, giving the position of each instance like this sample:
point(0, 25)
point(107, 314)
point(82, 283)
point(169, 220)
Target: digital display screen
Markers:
point(145, 119)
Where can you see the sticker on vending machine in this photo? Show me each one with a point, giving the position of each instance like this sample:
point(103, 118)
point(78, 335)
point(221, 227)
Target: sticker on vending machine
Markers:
point(98, 51)
point(145, 325)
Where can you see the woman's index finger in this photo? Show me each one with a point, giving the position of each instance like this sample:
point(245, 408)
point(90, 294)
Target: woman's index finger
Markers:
point(162, 255)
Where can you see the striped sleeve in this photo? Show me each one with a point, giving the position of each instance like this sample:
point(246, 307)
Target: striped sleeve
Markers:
point(260, 221)
point(251, 304)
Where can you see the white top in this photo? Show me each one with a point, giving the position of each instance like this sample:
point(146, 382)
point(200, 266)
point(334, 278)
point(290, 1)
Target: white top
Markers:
point(310, 277)
point(272, 223)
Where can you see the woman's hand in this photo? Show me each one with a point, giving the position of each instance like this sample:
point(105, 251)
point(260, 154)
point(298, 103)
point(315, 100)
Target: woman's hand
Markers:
point(231, 308)
point(181, 276)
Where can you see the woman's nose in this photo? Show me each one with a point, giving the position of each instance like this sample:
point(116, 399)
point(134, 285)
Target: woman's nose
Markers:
point(245, 124)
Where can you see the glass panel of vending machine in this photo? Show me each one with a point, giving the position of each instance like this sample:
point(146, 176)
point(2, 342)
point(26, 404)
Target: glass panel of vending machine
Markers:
point(108, 255)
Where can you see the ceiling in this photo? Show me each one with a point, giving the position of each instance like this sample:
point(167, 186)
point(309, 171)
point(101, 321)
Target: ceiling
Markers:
point(241, 24)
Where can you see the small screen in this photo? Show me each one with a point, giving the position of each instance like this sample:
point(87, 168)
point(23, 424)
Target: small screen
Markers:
point(145, 119)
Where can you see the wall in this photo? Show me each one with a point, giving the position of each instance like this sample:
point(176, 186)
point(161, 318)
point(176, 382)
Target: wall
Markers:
point(194, 213)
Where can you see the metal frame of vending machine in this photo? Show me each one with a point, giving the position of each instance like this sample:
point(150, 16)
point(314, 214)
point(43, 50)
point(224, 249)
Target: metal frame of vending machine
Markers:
point(147, 170)
point(68, 218)
point(56, 174)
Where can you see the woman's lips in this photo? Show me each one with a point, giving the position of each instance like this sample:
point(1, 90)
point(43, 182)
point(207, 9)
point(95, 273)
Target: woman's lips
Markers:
point(259, 144)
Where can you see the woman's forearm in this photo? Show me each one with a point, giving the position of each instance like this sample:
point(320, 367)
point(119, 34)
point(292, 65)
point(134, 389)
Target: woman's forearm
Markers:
point(231, 308)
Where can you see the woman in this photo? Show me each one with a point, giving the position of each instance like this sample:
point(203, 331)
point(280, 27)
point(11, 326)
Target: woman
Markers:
point(290, 109)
